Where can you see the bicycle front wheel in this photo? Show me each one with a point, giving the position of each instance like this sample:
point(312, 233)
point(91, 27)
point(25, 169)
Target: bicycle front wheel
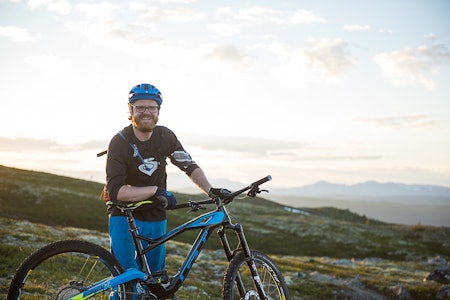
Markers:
point(63, 269)
point(238, 270)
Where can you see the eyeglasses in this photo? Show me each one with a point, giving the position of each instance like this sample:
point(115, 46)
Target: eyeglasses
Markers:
point(141, 109)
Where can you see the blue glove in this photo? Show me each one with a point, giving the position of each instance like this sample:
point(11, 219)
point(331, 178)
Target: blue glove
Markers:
point(165, 198)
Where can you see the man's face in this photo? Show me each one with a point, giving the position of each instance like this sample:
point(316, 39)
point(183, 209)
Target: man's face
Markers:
point(144, 114)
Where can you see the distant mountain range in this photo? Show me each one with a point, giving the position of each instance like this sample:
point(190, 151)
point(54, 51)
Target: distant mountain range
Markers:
point(369, 189)
point(324, 189)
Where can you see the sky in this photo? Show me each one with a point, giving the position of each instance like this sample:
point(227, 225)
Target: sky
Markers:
point(341, 91)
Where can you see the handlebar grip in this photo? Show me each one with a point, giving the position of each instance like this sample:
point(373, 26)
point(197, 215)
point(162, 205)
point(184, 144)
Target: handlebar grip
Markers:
point(262, 180)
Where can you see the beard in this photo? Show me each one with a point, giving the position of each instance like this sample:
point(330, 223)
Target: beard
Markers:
point(145, 123)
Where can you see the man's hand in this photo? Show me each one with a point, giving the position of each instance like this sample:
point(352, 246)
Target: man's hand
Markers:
point(165, 198)
point(221, 193)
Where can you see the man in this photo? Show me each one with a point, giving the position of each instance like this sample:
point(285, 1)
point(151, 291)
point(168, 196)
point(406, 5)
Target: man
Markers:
point(136, 170)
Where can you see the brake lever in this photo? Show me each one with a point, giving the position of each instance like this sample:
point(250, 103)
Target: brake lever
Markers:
point(195, 206)
point(254, 191)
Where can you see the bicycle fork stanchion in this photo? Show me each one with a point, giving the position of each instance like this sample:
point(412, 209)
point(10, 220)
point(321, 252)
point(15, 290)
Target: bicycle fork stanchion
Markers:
point(226, 247)
point(250, 262)
point(248, 254)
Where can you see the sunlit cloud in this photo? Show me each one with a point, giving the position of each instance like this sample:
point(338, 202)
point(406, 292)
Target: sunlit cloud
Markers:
point(321, 60)
point(60, 6)
point(26, 144)
point(102, 9)
point(241, 144)
point(224, 29)
point(356, 27)
point(430, 36)
point(409, 66)
point(176, 1)
point(53, 65)
point(268, 15)
point(17, 34)
point(303, 16)
point(399, 122)
point(179, 15)
point(328, 56)
point(229, 55)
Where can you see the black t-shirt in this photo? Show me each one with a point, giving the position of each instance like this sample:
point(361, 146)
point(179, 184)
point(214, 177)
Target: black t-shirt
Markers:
point(125, 167)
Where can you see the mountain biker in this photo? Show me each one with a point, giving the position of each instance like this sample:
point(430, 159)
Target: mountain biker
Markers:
point(136, 170)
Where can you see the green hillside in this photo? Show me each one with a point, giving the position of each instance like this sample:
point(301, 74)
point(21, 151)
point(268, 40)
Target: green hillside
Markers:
point(63, 201)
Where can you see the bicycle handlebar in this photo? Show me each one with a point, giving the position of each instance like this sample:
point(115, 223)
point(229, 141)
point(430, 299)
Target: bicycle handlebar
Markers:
point(253, 189)
point(254, 185)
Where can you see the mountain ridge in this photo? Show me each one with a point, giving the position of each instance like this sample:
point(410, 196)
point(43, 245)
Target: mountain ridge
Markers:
point(370, 188)
point(323, 188)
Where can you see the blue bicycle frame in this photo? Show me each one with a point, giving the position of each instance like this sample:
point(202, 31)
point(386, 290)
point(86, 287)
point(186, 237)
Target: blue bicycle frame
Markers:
point(206, 222)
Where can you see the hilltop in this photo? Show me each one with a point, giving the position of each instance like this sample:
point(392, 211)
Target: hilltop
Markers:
point(323, 251)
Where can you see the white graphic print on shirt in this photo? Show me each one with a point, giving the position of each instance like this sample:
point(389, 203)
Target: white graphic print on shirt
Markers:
point(149, 166)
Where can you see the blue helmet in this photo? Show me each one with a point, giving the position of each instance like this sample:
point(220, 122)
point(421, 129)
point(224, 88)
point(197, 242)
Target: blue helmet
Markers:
point(144, 91)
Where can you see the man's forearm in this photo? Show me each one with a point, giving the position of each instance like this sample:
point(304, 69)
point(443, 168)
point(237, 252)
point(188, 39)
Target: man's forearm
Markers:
point(134, 193)
point(199, 178)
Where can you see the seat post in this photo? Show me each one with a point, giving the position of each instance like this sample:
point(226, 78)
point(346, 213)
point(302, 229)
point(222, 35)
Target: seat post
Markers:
point(137, 243)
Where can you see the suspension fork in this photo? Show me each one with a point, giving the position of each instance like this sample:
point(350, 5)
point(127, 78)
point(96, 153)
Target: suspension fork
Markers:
point(248, 254)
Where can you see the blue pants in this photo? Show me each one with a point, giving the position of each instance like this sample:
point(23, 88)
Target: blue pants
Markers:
point(122, 245)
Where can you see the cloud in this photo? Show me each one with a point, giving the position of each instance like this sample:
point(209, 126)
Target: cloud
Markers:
point(277, 150)
point(52, 64)
point(268, 15)
point(17, 34)
point(399, 122)
point(303, 16)
point(103, 9)
point(60, 6)
point(356, 27)
point(177, 1)
point(139, 37)
point(340, 157)
point(248, 145)
point(224, 29)
point(179, 15)
point(228, 55)
point(321, 60)
point(328, 56)
point(409, 66)
point(25, 144)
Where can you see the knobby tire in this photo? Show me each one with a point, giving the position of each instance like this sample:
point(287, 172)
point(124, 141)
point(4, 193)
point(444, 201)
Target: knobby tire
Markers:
point(272, 280)
point(62, 269)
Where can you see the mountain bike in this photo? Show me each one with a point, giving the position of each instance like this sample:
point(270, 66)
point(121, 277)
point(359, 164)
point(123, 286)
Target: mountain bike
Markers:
point(76, 269)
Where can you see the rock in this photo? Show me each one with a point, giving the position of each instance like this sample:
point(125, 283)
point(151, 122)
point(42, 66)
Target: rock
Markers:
point(372, 260)
point(300, 275)
point(440, 274)
point(400, 292)
point(343, 262)
point(437, 261)
point(444, 292)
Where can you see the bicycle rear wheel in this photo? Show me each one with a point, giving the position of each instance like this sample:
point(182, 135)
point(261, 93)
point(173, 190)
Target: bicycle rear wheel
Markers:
point(271, 278)
point(63, 269)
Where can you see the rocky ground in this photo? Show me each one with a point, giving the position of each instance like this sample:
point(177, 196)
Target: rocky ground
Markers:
point(307, 277)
